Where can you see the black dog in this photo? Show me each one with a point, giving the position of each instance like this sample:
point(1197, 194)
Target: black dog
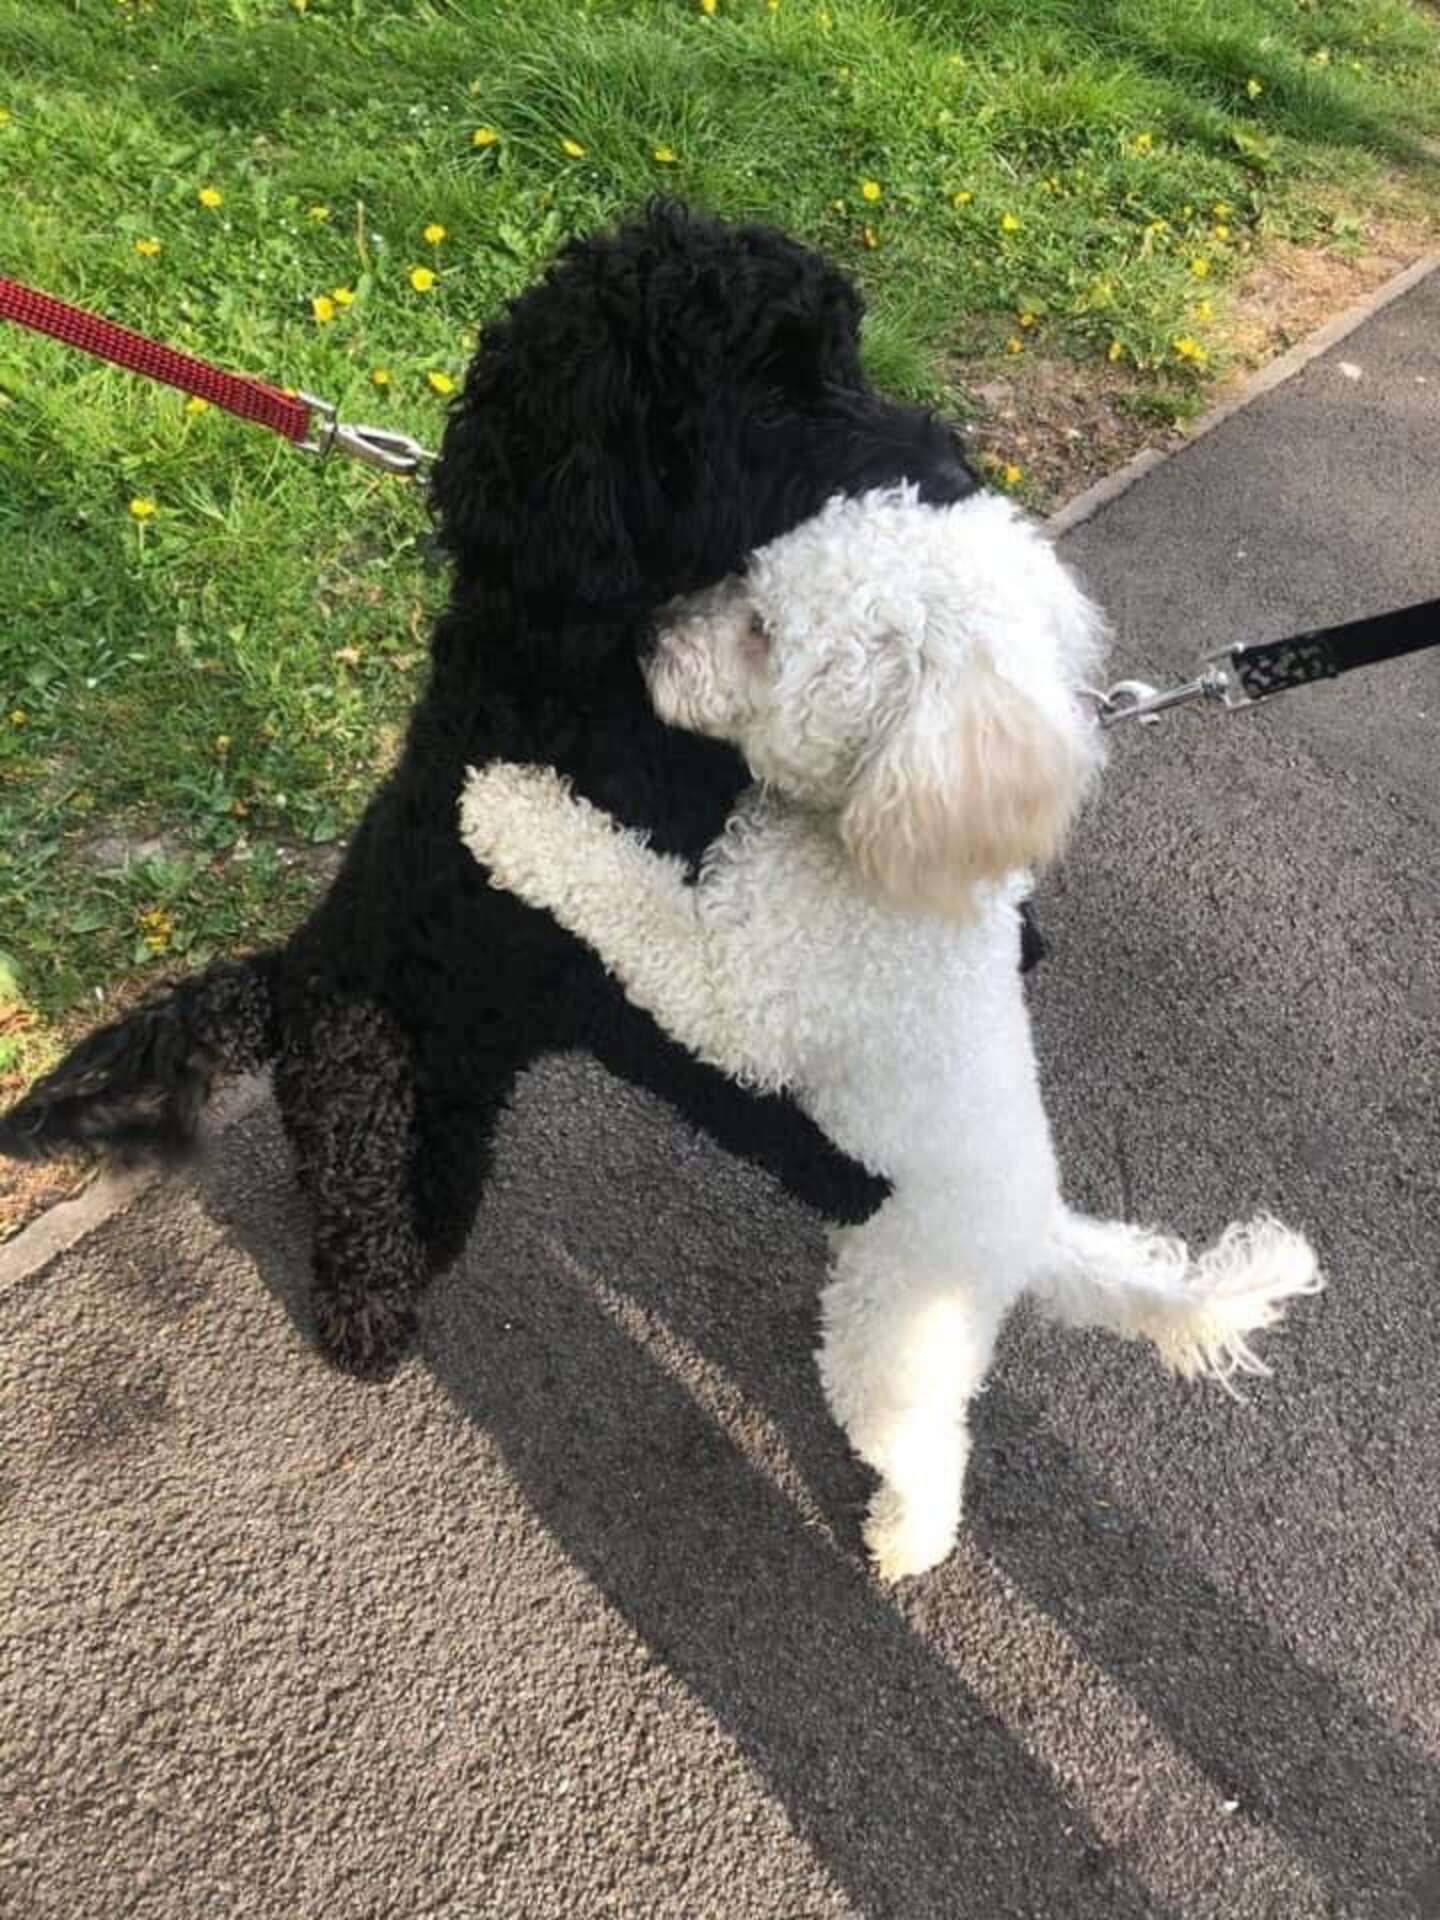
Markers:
point(670, 396)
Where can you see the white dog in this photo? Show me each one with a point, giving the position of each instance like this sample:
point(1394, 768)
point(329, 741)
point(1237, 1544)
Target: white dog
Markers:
point(904, 683)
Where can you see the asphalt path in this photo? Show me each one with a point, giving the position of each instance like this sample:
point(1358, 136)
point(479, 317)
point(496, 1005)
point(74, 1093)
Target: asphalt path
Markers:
point(572, 1619)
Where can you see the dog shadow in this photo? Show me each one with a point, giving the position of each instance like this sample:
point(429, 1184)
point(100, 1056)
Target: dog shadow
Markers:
point(906, 1788)
point(1277, 1737)
point(609, 1292)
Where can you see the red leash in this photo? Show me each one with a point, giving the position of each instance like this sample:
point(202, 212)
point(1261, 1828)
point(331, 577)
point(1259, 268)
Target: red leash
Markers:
point(288, 414)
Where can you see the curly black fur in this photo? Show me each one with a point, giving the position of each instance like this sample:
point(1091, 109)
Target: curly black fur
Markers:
point(136, 1087)
point(668, 397)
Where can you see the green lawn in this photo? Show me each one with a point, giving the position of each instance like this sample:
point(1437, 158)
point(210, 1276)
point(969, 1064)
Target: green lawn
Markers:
point(206, 640)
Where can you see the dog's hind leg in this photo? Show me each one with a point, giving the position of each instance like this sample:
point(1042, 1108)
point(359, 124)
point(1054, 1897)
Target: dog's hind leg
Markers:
point(1196, 1311)
point(346, 1091)
point(903, 1348)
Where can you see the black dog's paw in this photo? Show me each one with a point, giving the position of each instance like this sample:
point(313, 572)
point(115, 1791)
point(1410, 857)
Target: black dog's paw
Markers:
point(365, 1332)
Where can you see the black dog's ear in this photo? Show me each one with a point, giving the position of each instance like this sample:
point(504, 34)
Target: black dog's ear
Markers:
point(579, 542)
point(527, 487)
point(814, 339)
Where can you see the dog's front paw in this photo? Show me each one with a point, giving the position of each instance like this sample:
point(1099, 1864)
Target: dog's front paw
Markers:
point(507, 811)
point(906, 1537)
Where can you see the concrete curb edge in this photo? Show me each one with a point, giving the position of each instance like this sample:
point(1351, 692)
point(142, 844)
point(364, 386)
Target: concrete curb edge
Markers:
point(69, 1222)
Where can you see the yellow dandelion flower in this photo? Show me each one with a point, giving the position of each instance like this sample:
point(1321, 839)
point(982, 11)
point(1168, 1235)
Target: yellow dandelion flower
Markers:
point(665, 156)
point(871, 190)
point(1220, 231)
point(1027, 318)
point(147, 249)
point(323, 308)
point(1009, 223)
point(380, 376)
point(707, 7)
point(484, 137)
point(222, 744)
point(210, 197)
point(18, 717)
point(343, 296)
point(1189, 350)
point(196, 405)
point(1143, 142)
point(1199, 266)
point(1114, 350)
point(4, 116)
point(433, 234)
point(772, 6)
point(1254, 87)
point(838, 205)
point(1157, 226)
point(141, 508)
point(317, 213)
point(441, 382)
point(157, 929)
point(1222, 209)
point(1204, 310)
point(422, 279)
point(962, 198)
point(870, 237)
point(1011, 475)
point(572, 147)
point(1014, 344)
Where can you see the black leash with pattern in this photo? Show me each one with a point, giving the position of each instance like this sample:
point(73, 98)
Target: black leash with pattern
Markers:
point(1242, 676)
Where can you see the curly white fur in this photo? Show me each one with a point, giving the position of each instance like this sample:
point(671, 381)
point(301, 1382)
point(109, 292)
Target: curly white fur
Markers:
point(903, 682)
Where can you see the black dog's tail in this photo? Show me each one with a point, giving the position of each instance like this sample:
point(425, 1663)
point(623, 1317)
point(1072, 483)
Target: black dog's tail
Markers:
point(136, 1087)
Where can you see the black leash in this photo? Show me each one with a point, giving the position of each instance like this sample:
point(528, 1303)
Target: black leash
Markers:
point(1243, 676)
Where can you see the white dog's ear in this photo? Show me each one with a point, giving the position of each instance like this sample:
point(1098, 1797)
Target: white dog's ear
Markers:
point(973, 783)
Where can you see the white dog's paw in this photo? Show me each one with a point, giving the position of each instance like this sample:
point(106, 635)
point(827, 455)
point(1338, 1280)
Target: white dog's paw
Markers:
point(507, 814)
point(1237, 1287)
point(906, 1537)
point(504, 790)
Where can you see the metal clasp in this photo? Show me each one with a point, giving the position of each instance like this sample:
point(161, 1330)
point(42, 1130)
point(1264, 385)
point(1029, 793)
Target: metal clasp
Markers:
point(383, 447)
point(1139, 700)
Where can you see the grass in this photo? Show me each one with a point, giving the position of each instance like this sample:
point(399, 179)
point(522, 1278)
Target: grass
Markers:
point(227, 670)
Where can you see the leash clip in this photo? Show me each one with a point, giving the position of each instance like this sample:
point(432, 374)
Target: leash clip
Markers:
point(383, 447)
point(1139, 700)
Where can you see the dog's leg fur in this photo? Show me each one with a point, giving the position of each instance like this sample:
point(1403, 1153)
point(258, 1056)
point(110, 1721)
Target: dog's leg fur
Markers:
point(354, 1153)
point(1197, 1312)
point(554, 850)
point(903, 1349)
